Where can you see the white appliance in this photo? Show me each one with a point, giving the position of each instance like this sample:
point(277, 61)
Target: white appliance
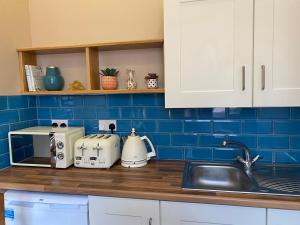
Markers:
point(43, 146)
point(33, 208)
point(97, 151)
point(134, 152)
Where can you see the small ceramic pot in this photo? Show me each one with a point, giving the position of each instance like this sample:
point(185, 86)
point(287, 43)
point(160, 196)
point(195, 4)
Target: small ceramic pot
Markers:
point(152, 83)
point(109, 82)
point(53, 81)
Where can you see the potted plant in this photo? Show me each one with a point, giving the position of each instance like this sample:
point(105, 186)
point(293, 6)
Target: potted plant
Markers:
point(152, 80)
point(109, 80)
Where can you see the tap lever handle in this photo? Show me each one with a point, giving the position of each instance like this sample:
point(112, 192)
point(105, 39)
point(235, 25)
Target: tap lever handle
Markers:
point(256, 158)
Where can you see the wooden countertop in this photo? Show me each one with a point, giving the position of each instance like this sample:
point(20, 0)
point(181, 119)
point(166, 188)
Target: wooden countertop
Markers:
point(159, 180)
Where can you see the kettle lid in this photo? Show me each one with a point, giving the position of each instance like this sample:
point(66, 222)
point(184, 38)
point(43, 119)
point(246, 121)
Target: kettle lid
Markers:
point(133, 133)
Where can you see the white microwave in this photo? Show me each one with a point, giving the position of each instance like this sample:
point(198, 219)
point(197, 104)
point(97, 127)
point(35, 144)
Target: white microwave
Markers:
point(44, 146)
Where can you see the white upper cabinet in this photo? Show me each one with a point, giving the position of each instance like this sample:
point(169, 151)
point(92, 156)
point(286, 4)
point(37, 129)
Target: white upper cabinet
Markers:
point(283, 217)
point(208, 53)
point(179, 213)
point(277, 53)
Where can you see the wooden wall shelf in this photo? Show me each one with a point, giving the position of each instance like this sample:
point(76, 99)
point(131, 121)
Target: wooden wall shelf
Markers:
point(91, 54)
point(95, 92)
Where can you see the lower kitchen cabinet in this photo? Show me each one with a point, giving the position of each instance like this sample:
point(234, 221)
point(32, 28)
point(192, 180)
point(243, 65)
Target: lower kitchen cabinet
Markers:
point(177, 213)
point(123, 211)
point(283, 217)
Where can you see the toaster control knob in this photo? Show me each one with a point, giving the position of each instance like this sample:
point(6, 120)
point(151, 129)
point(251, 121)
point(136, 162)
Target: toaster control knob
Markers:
point(60, 145)
point(60, 156)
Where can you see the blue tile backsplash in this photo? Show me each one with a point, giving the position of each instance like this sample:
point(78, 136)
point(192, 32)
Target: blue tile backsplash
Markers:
point(16, 112)
point(189, 134)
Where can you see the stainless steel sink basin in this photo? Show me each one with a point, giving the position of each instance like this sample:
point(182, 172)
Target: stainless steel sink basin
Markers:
point(226, 177)
point(231, 177)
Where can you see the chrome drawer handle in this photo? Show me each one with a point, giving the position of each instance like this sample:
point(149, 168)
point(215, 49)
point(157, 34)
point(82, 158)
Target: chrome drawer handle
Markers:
point(263, 77)
point(150, 221)
point(243, 78)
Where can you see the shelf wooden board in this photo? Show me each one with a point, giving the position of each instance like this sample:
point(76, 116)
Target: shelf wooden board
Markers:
point(106, 46)
point(94, 92)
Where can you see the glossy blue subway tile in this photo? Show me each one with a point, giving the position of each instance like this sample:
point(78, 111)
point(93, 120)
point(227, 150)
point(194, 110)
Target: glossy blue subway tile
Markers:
point(17, 102)
point(71, 101)
point(108, 113)
point(295, 113)
point(91, 126)
point(170, 126)
point(3, 146)
point(144, 100)
point(227, 127)
point(172, 153)
point(144, 125)
point(133, 113)
point(119, 100)
point(19, 125)
point(4, 131)
point(287, 127)
point(9, 116)
point(95, 100)
point(28, 114)
point(159, 139)
point(295, 142)
point(183, 114)
point(273, 142)
point(197, 126)
point(212, 113)
point(48, 101)
point(43, 113)
point(160, 99)
point(44, 123)
point(258, 127)
point(33, 123)
point(273, 113)
point(32, 101)
point(124, 126)
point(211, 140)
point(249, 141)
point(85, 113)
point(62, 113)
point(156, 113)
point(242, 113)
point(292, 157)
point(222, 154)
point(4, 161)
point(3, 102)
point(184, 140)
point(75, 123)
point(198, 153)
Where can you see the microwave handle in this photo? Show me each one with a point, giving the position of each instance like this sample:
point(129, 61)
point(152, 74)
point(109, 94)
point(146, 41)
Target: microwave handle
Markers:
point(52, 149)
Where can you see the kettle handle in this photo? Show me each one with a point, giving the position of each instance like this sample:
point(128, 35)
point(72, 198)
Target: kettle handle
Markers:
point(152, 153)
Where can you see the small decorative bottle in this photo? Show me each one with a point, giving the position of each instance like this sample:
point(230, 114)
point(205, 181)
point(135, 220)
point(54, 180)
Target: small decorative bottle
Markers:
point(131, 82)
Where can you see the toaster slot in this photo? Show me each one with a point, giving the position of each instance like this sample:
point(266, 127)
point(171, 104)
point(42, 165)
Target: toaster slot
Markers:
point(100, 136)
point(107, 136)
point(93, 158)
point(92, 136)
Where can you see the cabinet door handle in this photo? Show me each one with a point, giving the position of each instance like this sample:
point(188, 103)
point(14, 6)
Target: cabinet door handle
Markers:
point(263, 77)
point(150, 221)
point(243, 78)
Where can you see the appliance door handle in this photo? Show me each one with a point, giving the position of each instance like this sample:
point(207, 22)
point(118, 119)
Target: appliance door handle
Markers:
point(52, 149)
point(152, 153)
point(244, 78)
point(263, 77)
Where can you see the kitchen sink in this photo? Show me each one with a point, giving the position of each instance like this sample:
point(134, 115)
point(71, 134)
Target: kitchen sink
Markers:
point(267, 179)
point(214, 176)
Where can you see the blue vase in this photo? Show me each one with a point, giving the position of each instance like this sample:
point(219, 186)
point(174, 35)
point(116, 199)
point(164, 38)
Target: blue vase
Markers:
point(53, 81)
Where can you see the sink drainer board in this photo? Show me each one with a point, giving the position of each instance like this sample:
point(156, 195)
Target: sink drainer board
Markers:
point(279, 184)
point(231, 177)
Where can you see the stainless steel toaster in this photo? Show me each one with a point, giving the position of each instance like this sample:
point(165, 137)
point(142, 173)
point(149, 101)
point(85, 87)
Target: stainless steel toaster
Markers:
point(97, 151)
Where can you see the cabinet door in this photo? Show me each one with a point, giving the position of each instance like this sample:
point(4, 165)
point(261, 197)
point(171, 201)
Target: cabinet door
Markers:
point(177, 213)
point(208, 48)
point(122, 211)
point(283, 217)
point(277, 53)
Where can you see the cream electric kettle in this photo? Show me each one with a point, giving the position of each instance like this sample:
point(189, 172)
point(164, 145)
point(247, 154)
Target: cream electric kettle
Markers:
point(134, 152)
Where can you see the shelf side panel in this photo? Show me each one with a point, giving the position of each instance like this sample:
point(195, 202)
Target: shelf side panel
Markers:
point(92, 65)
point(25, 58)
